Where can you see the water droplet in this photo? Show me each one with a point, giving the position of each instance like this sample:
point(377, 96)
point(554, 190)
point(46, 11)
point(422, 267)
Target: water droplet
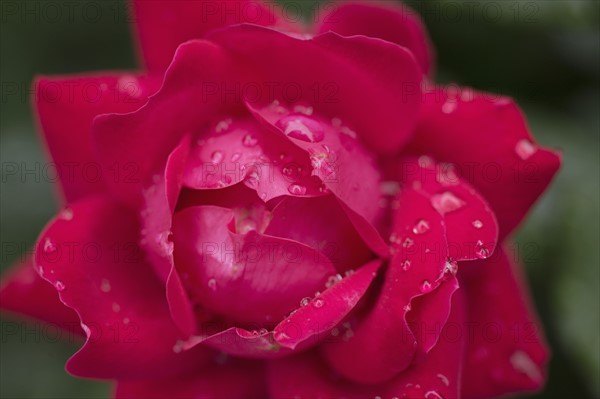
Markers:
point(86, 330)
point(301, 109)
point(449, 107)
point(426, 287)
point(304, 301)
point(349, 272)
point(49, 246)
point(212, 284)
point(408, 243)
point(116, 307)
point(302, 128)
point(406, 265)
point(425, 161)
point(407, 307)
point(67, 214)
point(297, 189)
point(105, 285)
point(333, 280)
point(235, 156)
point(433, 395)
point(263, 331)
point(394, 238)
point(290, 171)
point(59, 285)
point(216, 157)
point(444, 379)
point(481, 251)
point(477, 224)
point(451, 267)
point(446, 202)
point(523, 363)
point(126, 320)
point(263, 196)
point(249, 140)
point(525, 149)
point(421, 227)
point(318, 303)
point(223, 125)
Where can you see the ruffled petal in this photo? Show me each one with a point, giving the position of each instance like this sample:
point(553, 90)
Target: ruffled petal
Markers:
point(506, 352)
point(23, 292)
point(241, 273)
point(162, 25)
point(94, 262)
point(66, 107)
point(487, 139)
point(344, 71)
point(382, 344)
point(228, 379)
point(394, 23)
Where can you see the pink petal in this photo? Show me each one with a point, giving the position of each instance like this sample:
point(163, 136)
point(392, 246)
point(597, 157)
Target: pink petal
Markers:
point(95, 264)
point(471, 226)
point(297, 219)
point(314, 320)
point(240, 149)
point(66, 107)
point(392, 22)
point(165, 118)
point(382, 344)
point(487, 138)
point(343, 72)
point(24, 293)
point(338, 161)
point(162, 25)
point(159, 201)
point(507, 352)
point(228, 379)
point(252, 278)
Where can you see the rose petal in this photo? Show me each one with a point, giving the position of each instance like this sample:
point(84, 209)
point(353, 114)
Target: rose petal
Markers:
point(394, 23)
point(95, 264)
point(507, 352)
point(343, 72)
point(252, 278)
point(297, 219)
point(231, 379)
point(24, 292)
point(382, 344)
point(471, 227)
point(488, 140)
point(165, 118)
point(163, 25)
point(66, 107)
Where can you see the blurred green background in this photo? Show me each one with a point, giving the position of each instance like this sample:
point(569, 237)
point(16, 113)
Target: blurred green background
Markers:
point(545, 53)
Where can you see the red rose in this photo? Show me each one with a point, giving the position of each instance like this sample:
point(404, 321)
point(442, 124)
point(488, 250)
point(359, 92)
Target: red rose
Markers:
point(285, 214)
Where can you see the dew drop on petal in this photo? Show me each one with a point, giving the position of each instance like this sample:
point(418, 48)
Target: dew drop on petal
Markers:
point(67, 214)
point(433, 395)
point(235, 156)
point(49, 246)
point(116, 307)
point(304, 301)
point(446, 202)
point(105, 285)
point(301, 128)
point(426, 287)
point(297, 189)
point(481, 251)
point(59, 285)
point(444, 379)
point(525, 149)
point(408, 243)
point(406, 265)
point(451, 267)
point(212, 284)
point(421, 227)
point(216, 157)
point(318, 303)
point(477, 224)
point(249, 140)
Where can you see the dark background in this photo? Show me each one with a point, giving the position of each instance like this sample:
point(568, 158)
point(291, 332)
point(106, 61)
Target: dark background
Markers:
point(545, 53)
